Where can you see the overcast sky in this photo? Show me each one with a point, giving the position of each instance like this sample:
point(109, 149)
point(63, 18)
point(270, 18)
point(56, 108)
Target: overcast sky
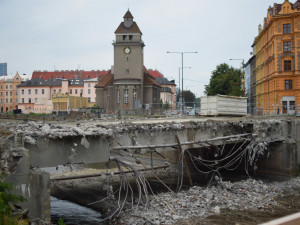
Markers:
point(78, 34)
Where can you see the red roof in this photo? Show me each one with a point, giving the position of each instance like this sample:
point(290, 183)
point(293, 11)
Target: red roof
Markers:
point(155, 73)
point(68, 74)
point(105, 80)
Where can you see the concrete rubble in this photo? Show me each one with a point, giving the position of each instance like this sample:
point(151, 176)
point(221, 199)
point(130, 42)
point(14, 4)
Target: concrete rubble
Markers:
point(200, 202)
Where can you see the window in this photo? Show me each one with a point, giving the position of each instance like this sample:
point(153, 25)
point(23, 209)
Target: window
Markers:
point(16, 100)
point(10, 86)
point(6, 100)
point(118, 96)
point(22, 91)
point(89, 91)
point(6, 93)
point(6, 86)
point(10, 100)
point(29, 100)
point(134, 95)
point(23, 100)
point(1, 101)
point(54, 91)
point(287, 65)
point(76, 91)
point(127, 71)
point(125, 95)
point(130, 37)
point(70, 91)
point(124, 37)
point(10, 93)
point(16, 93)
point(89, 99)
point(36, 91)
point(81, 91)
point(286, 28)
point(29, 91)
point(287, 46)
point(1, 86)
point(89, 85)
point(288, 84)
point(59, 90)
point(1, 93)
point(292, 105)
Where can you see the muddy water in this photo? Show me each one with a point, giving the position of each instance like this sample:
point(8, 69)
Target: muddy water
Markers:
point(289, 204)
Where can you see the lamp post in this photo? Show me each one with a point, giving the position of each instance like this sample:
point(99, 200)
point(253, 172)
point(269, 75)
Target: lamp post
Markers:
point(182, 71)
point(185, 67)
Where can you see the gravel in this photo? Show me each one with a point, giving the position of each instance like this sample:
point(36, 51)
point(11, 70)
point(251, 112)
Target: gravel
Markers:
point(250, 194)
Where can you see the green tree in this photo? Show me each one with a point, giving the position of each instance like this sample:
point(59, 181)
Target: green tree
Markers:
point(189, 97)
point(225, 80)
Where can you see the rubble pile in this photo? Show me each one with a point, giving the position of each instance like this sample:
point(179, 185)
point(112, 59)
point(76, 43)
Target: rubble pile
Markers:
point(250, 194)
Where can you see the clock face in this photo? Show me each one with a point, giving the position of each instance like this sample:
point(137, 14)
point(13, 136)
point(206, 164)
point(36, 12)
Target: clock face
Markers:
point(127, 50)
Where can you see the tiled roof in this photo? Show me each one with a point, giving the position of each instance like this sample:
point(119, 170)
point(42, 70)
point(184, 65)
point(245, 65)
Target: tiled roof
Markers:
point(132, 29)
point(128, 14)
point(39, 82)
point(164, 81)
point(67, 74)
point(105, 80)
point(296, 4)
point(148, 80)
point(155, 73)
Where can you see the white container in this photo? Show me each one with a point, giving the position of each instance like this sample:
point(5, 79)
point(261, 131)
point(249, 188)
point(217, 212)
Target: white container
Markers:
point(223, 105)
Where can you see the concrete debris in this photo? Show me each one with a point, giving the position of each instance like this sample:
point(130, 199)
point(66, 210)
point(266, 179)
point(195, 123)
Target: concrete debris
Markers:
point(84, 142)
point(29, 140)
point(201, 202)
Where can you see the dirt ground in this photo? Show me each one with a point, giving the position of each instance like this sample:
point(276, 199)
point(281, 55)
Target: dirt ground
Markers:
point(289, 204)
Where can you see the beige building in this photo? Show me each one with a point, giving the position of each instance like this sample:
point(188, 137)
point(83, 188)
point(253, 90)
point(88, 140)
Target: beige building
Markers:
point(9, 93)
point(128, 86)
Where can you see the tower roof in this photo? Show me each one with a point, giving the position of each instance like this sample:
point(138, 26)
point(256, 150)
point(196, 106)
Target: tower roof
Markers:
point(132, 29)
point(128, 15)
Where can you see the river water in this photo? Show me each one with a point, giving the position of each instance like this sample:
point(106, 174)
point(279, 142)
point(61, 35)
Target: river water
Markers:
point(73, 214)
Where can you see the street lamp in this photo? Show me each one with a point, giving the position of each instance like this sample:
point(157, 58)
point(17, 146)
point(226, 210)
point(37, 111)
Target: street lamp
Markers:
point(182, 70)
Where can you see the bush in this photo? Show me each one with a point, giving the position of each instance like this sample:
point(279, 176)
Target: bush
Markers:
point(7, 198)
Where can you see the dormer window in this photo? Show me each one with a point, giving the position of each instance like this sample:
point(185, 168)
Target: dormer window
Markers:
point(130, 37)
point(124, 37)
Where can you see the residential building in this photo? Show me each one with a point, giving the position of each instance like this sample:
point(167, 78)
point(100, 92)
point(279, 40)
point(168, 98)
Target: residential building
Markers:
point(277, 60)
point(68, 74)
point(128, 86)
point(250, 84)
point(36, 95)
point(89, 90)
point(9, 93)
point(3, 69)
point(167, 92)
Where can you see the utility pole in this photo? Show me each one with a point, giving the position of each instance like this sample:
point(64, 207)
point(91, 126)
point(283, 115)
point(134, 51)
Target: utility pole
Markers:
point(182, 73)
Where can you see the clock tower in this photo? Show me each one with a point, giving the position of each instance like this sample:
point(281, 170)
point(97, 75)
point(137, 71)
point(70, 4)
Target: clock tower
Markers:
point(128, 65)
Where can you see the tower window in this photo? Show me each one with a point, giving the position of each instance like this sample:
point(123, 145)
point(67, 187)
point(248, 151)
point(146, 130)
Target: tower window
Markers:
point(127, 71)
point(286, 28)
point(287, 65)
point(130, 37)
point(124, 37)
point(125, 95)
point(118, 96)
point(134, 95)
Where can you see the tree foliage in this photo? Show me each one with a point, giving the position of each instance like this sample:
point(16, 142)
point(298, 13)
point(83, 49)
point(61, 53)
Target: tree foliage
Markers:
point(225, 80)
point(6, 198)
point(189, 97)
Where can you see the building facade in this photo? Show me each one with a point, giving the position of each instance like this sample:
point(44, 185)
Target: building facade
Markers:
point(167, 92)
point(128, 86)
point(3, 69)
point(9, 93)
point(278, 60)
